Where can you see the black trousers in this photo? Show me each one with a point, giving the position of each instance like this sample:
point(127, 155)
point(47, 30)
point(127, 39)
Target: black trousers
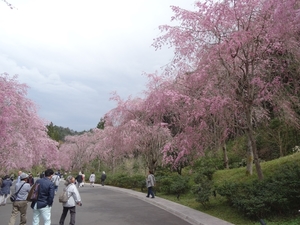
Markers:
point(64, 214)
point(150, 192)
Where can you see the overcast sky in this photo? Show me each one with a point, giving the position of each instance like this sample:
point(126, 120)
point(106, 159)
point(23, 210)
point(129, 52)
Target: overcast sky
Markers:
point(73, 54)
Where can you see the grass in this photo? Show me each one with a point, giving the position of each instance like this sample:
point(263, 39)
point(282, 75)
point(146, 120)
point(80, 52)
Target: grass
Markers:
point(220, 209)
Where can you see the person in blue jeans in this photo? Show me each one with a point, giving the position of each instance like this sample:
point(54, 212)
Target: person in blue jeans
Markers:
point(42, 206)
point(150, 182)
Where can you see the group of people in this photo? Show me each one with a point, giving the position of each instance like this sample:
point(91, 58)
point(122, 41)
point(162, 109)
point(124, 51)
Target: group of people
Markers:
point(47, 187)
point(80, 179)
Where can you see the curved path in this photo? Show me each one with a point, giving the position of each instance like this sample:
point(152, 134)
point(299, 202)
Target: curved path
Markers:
point(106, 205)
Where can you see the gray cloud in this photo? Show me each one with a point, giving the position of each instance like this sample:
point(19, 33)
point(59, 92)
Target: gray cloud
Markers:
point(73, 54)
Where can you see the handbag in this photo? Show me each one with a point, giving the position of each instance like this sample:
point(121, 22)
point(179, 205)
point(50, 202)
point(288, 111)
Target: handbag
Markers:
point(33, 193)
point(13, 197)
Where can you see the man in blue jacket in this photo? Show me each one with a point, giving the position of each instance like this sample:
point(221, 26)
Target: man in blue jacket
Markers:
point(42, 206)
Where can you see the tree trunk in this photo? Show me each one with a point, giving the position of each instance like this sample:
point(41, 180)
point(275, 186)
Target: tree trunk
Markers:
point(99, 165)
point(280, 143)
point(252, 142)
point(152, 165)
point(226, 163)
point(249, 167)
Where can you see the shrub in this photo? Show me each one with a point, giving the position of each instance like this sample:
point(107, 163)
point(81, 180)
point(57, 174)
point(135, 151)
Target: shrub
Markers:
point(277, 194)
point(204, 187)
point(173, 184)
point(125, 181)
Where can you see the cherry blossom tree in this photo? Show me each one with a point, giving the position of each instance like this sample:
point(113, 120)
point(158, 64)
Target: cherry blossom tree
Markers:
point(137, 133)
point(192, 123)
point(232, 53)
point(23, 135)
point(80, 150)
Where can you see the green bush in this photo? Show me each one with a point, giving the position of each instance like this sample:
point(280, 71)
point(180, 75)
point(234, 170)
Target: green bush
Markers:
point(125, 181)
point(172, 184)
point(277, 194)
point(203, 188)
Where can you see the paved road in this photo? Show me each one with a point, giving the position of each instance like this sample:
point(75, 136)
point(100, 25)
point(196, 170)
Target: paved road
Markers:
point(106, 206)
point(113, 206)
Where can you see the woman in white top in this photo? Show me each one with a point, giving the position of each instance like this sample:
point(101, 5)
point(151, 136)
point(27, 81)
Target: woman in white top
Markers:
point(73, 200)
point(92, 179)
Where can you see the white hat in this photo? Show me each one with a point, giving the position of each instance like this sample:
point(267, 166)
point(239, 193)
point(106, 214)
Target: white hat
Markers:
point(23, 176)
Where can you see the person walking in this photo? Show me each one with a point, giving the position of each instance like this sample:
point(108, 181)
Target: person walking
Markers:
point(20, 205)
point(103, 177)
point(42, 206)
point(19, 174)
point(150, 182)
point(92, 179)
point(79, 179)
point(5, 189)
point(55, 179)
point(30, 179)
point(73, 200)
point(83, 179)
point(42, 174)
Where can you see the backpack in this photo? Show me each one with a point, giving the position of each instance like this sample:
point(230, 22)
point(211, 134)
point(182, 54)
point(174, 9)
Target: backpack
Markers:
point(63, 197)
point(33, 193)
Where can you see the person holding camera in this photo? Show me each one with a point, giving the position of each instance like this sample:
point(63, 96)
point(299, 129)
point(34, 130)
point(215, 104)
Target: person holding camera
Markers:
point(73, 200)
point(20, 204)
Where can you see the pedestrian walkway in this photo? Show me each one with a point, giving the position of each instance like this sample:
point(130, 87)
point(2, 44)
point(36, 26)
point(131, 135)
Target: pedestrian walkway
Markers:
point(188, 214)
point(108, 205)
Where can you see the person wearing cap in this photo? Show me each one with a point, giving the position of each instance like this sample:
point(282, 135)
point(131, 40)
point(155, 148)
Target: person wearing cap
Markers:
point(20, 205)
point(42, 206)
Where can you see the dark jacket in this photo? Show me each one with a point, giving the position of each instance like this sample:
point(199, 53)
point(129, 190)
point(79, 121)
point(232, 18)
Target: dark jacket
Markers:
point(103, 176)
point(45, 193)
point(79, 178)
point(31, 180)
point(5, 187)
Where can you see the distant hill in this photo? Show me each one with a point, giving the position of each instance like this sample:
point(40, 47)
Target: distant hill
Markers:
point(59, 133)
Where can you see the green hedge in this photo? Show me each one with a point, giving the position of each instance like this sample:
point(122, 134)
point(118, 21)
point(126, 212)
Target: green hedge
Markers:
point(277, 194)
point(125, 181)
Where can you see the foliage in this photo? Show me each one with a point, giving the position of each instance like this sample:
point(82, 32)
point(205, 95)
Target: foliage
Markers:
point(59, 133)
point(274, 195)
point(125, 181)
point(227, 180)
point(203, 190)
point(174, 184)
point(230, 61)
point(101, 124)
point(24, 142)
point(204, 169)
